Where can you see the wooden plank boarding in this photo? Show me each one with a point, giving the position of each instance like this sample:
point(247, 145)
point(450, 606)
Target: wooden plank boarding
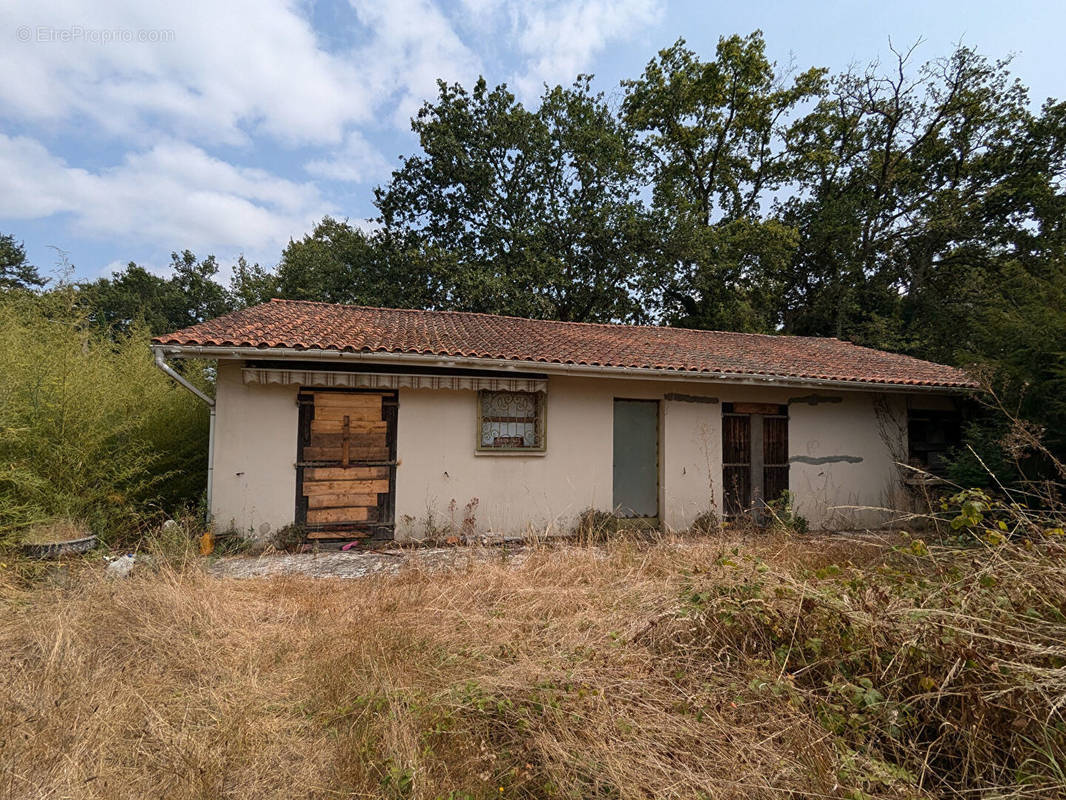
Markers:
point(355, 439)
point(341, 500)
point(346, 464)
point(344, 514)
point(347, 474)
point(355, 425)
point(326, 532)
point(334, 454)
point(344, 487)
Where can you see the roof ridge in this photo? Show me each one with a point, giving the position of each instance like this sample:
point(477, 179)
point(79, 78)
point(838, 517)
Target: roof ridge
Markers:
point(562, 321)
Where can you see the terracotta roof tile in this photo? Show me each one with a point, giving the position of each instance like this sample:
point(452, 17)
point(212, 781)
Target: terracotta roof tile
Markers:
point(302, 325)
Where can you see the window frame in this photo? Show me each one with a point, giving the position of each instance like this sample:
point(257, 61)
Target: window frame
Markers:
point(923, 452)
point(540, 421)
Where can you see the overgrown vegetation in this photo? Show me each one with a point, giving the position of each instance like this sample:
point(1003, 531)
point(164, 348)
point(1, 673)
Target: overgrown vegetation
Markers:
point(758, 667)
point(90, 431)
point(593, 525)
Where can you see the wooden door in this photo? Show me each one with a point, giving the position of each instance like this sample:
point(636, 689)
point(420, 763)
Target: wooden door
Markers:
point(736, 462)
point(346, 467)
point(754, 455)
point(775, 457)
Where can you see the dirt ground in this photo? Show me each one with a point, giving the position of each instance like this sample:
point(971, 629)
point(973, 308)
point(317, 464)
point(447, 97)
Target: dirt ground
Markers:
point(363, 564)
point(389, 561)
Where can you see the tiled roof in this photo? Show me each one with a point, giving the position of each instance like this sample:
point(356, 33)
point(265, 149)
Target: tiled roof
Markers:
point(300, 325)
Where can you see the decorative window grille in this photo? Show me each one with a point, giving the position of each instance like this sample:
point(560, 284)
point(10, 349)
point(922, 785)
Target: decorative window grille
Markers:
point(510, 421)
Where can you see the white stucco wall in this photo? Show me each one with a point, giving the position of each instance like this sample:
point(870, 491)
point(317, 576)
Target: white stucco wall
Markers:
point(254, 485)
point(839, 456)
point(842, 466)
point(843, 459)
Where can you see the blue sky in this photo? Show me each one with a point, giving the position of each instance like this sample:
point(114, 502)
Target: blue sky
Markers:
point(129, 129)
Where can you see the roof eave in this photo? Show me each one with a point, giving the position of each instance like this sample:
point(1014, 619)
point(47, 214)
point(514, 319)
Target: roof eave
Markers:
point(550, 368)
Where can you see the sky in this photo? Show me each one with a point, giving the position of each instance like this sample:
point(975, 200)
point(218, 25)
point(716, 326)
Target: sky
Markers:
point(130, 129)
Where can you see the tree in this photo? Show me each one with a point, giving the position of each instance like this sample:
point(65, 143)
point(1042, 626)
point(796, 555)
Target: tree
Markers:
point(339, 263)
point(251, 284)
point(711, 137)
point(15, 270)
point(190, 295)
point(907, 194)
point(194, 282)
point(533, 213)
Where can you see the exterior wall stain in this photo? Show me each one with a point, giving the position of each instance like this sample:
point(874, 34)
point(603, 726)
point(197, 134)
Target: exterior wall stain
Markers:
point(825, 460)
point(815, 399)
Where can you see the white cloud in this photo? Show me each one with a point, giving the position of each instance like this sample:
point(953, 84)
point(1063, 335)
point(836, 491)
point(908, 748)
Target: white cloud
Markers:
point(559, 39)
point(413, 46)
point(173, 194)
point(247, 73)
point(358, 162)
point(223, 71)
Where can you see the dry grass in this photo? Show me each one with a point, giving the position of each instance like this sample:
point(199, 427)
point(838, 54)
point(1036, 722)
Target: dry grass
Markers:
point(748, 668)
point(60, 530)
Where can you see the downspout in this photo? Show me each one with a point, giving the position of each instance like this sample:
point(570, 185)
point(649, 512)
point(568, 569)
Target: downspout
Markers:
point(160, 362)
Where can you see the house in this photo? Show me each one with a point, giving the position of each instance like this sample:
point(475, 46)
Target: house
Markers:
point(404, 424)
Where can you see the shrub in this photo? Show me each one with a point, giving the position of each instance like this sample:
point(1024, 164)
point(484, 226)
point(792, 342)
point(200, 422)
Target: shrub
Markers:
point(594, 525)
point(290, 538)
point(706, 523)
point(89, 428)
point(783, 514)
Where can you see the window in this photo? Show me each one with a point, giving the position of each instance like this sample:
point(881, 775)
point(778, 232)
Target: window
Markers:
point(510, 421)
point(932, 435)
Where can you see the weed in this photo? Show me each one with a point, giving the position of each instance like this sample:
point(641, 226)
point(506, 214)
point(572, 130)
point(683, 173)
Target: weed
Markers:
point(596, 526)
point(783, 514)
point(718, 667)
point(289, 538)
point(706, 523)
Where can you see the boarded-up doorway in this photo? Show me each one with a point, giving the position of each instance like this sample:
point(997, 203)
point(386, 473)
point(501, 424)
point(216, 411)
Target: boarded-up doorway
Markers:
point(346, 465)
point(754, 455)
point(636, 458)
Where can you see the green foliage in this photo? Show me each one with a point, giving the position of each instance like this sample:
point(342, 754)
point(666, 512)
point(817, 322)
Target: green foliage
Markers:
point(995, 519)
point(711, 140)
point(1020, 339)
point(981, 460)
point(783, 513)
point(908, 190)
point(135, 296)
point(532, 213)
point(338, 263)
point(15, 271)
point(89, 429)
point(885, 658)
point(251, 285)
